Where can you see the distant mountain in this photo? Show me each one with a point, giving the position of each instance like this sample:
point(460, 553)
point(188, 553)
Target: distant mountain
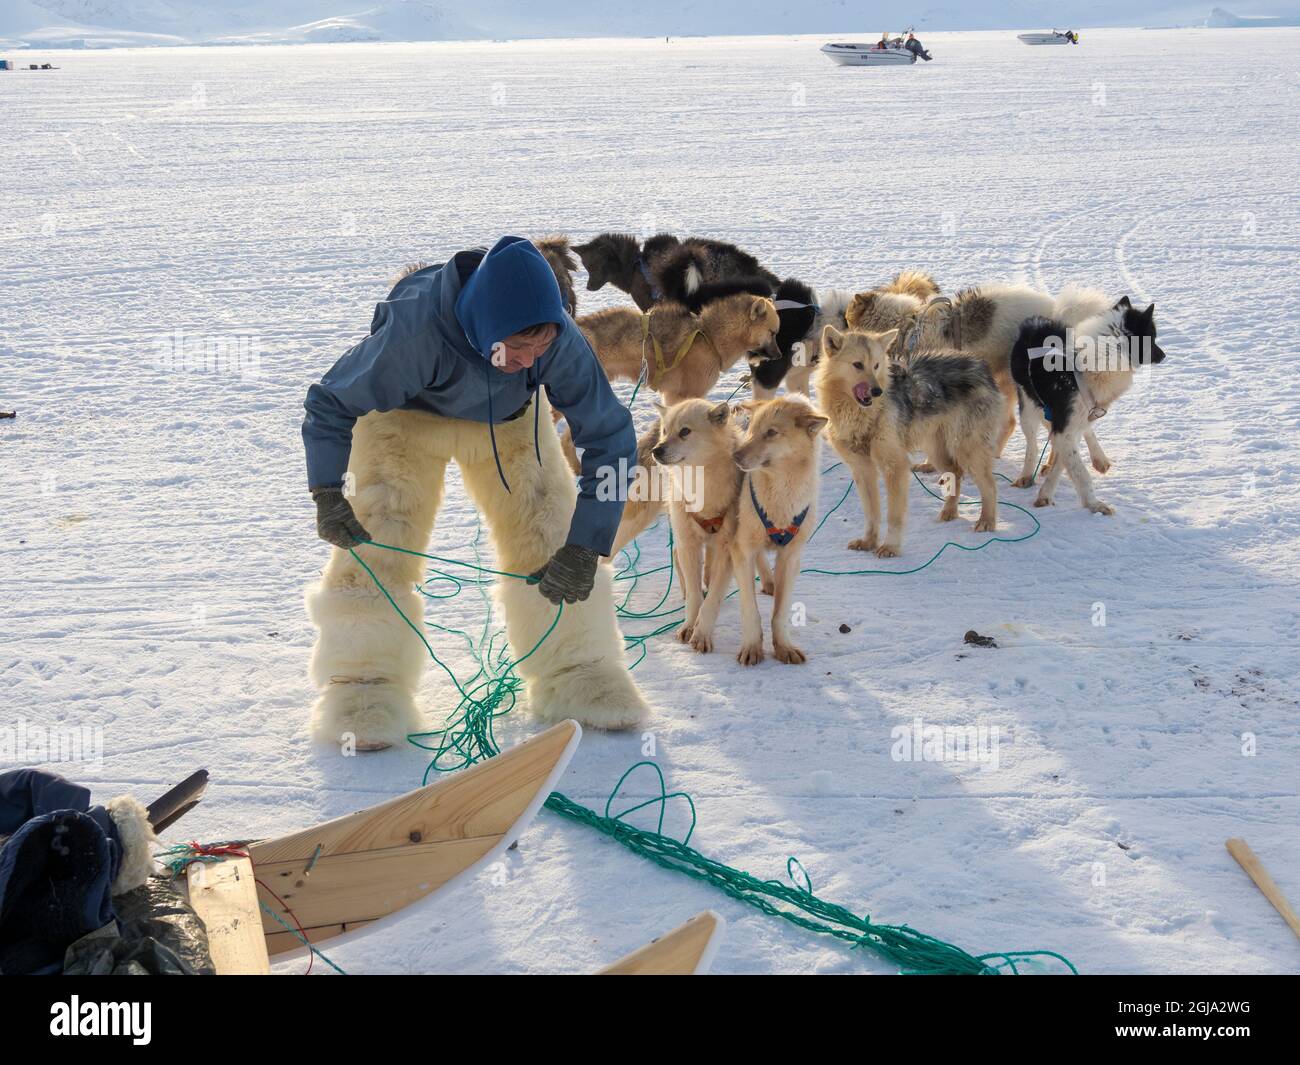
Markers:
point(1220, 19)
point(112, 23)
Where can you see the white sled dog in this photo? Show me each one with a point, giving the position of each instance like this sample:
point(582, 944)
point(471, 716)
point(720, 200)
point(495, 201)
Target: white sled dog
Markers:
point(775, 512)
point(881, 408)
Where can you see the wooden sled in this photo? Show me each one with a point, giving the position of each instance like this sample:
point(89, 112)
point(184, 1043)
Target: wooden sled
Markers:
point(354, 872)
point(687, 950)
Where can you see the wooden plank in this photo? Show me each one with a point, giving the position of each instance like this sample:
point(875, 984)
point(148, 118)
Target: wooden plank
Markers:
point(372, 863)
point(685, 951)
point(1247, 859)
point(224, 895)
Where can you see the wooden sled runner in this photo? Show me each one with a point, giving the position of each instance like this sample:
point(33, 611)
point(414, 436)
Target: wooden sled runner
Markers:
point(353, 872)
point(687, 950)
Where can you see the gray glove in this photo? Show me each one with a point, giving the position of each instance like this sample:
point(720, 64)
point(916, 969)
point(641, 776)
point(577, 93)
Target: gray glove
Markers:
point(570, 575)
point(336, 522)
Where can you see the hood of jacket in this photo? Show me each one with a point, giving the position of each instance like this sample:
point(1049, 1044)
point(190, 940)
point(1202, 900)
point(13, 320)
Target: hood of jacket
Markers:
point(511, 289)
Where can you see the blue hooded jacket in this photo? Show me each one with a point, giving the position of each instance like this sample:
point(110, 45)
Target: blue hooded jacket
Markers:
point(430, 349)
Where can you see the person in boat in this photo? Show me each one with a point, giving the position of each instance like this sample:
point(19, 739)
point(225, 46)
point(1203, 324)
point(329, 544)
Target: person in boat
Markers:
point(916, 48)
point(883, 42)
point(453, 370)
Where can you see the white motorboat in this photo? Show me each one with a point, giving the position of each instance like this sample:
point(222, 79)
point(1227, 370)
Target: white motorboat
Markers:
point(860, 54)
point(1055, 37)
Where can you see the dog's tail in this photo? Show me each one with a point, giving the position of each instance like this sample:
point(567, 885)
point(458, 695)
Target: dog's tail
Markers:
point(557, 247)
point(408, 270)
point(913, 283)
point(1077, 303)
point(683, 273)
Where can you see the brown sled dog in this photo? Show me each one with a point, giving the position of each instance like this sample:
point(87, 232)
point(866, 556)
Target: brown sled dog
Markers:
point(682, 354)
point(881, 408)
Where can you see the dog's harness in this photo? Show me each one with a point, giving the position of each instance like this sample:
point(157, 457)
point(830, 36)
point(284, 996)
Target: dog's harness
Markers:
point(780, 537)
point(913, 334)
point(710, 525)
point(1095, 410)
point(661, 366)
point(655, 293)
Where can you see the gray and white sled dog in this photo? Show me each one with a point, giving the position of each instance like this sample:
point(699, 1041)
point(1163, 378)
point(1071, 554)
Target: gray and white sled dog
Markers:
point(1069, 377)
point(881, 408)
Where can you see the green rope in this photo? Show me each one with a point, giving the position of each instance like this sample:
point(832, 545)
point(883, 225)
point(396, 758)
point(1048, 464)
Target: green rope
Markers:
point(468, 734)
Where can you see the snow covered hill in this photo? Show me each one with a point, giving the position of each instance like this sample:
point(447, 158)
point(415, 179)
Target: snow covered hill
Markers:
point(117, 23)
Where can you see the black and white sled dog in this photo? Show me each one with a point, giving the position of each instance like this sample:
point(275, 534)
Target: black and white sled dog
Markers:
point(1070, 377)
point(804, 312)
point(664, 268)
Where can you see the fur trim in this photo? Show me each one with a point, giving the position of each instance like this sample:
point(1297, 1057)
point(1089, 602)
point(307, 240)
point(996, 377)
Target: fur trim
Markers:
point(136, 834)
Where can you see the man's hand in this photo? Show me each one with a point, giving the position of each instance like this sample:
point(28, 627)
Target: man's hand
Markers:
point(569, 576)
point(336, 523)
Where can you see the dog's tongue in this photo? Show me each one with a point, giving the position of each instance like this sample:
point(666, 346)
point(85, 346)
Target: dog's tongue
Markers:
point(862, 392)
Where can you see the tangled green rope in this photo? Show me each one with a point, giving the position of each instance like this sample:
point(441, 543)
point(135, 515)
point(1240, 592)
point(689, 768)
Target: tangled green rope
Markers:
point(467, 738)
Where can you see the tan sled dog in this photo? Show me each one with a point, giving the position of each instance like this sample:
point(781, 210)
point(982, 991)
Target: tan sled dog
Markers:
point(775, 512)
point(881, 408)
point(683, 354)
point(697, 445)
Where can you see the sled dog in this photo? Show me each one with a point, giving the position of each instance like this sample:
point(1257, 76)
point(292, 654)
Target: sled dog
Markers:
point(779, 457)
point(1070, 377)
point(663, 268)
point(682, 354)
point(881, 408)
point(696, 445)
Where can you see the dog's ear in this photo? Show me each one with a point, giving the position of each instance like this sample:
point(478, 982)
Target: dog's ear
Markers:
point(814, 423)
point(758, 308)
point(660, 409)
point(1150, 313)
point(832, 340)
point(718, 415)
point(1123, 304)
point(888, 338)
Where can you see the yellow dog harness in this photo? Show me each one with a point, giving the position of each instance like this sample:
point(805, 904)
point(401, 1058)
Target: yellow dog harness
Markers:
point(660, 367)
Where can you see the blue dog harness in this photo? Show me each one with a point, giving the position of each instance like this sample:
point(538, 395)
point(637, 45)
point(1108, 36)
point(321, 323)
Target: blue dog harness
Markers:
point(780, 537)
point(655, 294)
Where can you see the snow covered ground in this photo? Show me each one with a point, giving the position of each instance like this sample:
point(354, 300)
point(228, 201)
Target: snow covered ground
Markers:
point(158, 533)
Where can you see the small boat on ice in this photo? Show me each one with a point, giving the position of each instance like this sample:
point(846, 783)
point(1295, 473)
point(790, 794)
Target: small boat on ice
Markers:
point(887, 52)
point(867, 55)
point(1055, 37)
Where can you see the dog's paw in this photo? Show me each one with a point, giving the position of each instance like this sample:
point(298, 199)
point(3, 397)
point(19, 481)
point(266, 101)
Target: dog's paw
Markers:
point(1098, 507)
point(864, 543)
point(702, 642)
point(986, 525)
point(685, 633)
point(1044, 501)
point(1023, 482)
point(751, 654)
point(768, 586)
point(949, 512)
point(923, 467)
point(888, 551)
point(788, 653)
point(1101, 464)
